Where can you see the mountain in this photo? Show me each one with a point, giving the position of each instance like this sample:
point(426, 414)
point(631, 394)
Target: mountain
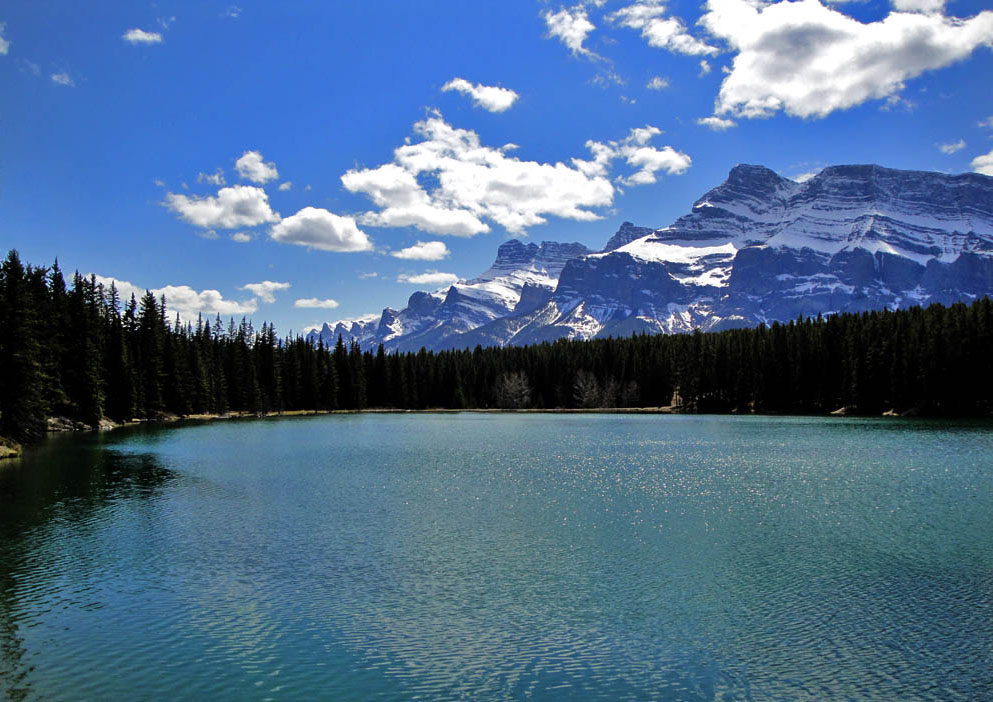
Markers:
point(757, 248)
point(522, 277)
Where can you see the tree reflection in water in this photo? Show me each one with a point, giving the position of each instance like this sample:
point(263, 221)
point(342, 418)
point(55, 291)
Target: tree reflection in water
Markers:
point(65, 483)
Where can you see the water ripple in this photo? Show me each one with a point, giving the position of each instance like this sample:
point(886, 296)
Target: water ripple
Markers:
point(472, 557)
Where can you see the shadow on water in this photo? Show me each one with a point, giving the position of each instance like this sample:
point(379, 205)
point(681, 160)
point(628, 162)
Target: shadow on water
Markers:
point(66, 481)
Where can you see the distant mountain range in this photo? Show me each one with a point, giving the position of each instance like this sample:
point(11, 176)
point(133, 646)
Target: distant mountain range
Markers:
point(757, 248)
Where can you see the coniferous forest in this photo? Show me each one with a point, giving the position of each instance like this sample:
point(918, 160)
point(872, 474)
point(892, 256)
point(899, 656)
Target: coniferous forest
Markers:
point(74, 349)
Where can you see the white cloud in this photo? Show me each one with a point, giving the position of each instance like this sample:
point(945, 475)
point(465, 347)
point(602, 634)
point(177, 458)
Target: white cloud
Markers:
point(63, 79)
point(952, 147)
point(208, 234)
point(266, 290)
point(430, 278)
point(988, 122)
point(658, 83)
point(489, 97)
point(659, 31)
point(423, 251)
point(716, 123)
point(313, 302)
point(140, 36)
point(405, 203)
point(232, 12)
point(319, 229)
point(251, 167)
point(241, 237)
point(233, 207)
point(285, 186)
point(216, 178)
point(983, 164)
point(804, 177)
point(477, 183)
point(571, 26)
point(636, 152)
point(185, 300)
point(918, 5)
point(810, 60)
point(372, 274)
point(895, 101)
point(4, 44)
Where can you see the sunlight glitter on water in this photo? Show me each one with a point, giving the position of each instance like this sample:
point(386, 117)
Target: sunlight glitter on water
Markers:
point(503, 557)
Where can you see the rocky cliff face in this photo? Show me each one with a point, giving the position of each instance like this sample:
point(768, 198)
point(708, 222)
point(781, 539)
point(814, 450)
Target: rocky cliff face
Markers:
point(757, 248)
point(523, 276)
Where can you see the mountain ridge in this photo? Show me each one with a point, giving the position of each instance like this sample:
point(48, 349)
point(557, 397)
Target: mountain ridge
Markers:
point(755, 249)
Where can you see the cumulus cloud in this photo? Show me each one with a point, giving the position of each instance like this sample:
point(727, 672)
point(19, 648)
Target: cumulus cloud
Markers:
point(988, 122)
point(660, 31)
point(489, 97)
point(317, 228)
point(430, 278)
point(952, 147)
point(215, 178)
point(476, 183)
point(918, 5)
point(233, 207)
point(313, 302)
point(636, 152)
point(63, 79)
point(266, 290)
point(423, 251)
point(571, 26)
point(404, 203)
point(658, 83)
point(804, 177)
point(809, 60)
point(285, 186)
point(140, 36)
point(704, 67)
point(983, 164)
point(4, 44)
point(185, 300)
point(251, 167)
point(716, 123)
point(371, 274)
point(241, 237)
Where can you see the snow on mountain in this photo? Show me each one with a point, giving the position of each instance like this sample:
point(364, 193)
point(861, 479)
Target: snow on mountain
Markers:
point(756, 248)
point(521, 272)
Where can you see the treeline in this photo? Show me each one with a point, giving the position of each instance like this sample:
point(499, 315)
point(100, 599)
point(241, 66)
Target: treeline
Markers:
point(77, 350)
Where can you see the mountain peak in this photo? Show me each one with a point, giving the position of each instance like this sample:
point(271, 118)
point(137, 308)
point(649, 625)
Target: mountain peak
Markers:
point(756, 248)
point(626, 233)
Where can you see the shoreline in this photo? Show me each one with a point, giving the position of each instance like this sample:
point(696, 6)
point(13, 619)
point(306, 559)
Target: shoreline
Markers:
point(63, 425)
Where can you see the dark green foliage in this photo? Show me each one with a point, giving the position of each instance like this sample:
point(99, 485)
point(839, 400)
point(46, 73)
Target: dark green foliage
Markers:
point(24, 385)
point(76, 352)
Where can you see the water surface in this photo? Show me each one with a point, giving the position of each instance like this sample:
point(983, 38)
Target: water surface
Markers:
point(474, 556)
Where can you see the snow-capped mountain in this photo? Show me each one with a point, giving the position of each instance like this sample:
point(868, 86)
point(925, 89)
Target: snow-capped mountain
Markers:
point(757, 248)
point(522, 276)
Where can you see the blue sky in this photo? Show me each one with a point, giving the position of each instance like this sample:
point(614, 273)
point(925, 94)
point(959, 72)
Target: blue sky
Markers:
point(301, 162)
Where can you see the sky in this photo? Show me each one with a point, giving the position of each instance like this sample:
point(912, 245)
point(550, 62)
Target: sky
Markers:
point(303, 162)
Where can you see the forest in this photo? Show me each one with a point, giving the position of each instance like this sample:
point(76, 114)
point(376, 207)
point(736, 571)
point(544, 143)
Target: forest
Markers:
point(74, 349)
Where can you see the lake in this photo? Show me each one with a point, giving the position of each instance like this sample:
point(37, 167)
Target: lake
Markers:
point(502, 556)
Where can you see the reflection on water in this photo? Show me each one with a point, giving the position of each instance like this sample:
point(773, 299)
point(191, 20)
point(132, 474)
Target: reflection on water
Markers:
point(50, 501)
point(502, 557)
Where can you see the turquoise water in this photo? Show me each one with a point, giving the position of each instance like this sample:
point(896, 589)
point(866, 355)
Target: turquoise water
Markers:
point(472, 556)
